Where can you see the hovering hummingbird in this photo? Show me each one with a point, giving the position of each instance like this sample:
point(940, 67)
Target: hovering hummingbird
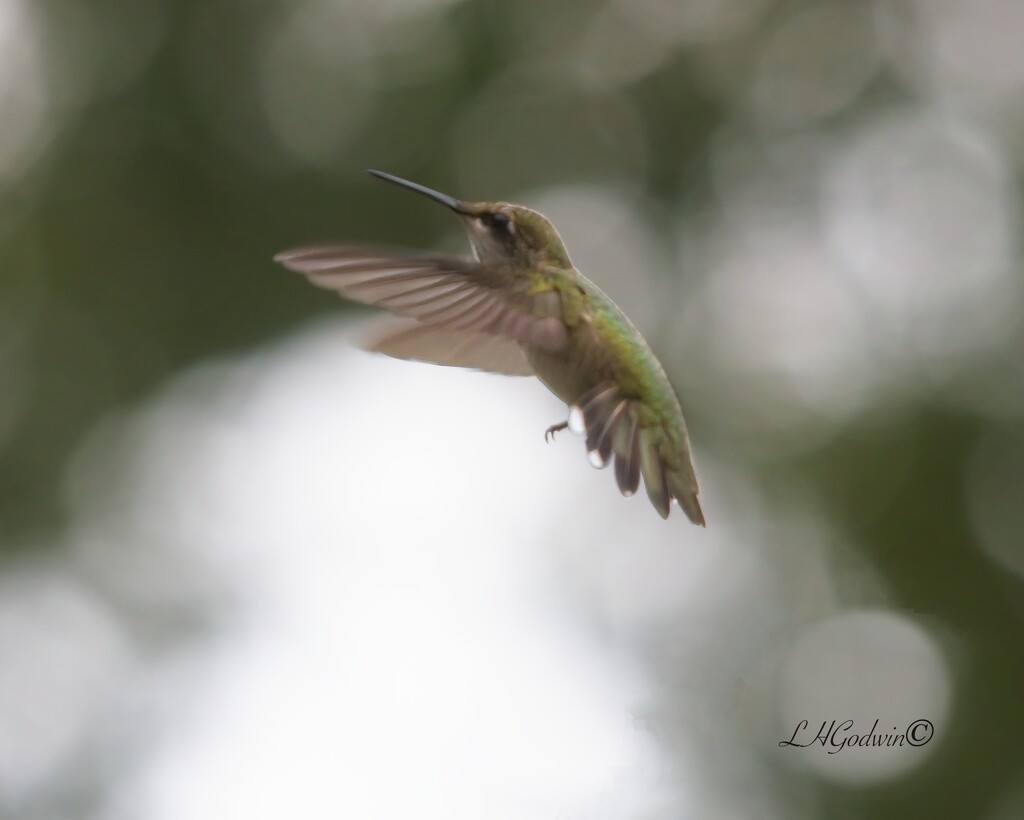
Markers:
point(519, 307)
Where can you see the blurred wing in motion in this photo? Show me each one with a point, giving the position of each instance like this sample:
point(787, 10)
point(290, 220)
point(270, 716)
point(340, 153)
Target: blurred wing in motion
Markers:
point(446, 345)
point(436, 290)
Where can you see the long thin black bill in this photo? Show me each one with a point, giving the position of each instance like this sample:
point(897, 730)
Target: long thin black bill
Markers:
point(437, 196)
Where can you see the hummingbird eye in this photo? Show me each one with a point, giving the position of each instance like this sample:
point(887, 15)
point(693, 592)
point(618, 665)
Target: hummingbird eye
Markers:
point(497, 222)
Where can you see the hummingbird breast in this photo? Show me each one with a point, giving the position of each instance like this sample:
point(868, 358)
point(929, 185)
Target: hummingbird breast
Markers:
point(576, 370)
point(603, 346)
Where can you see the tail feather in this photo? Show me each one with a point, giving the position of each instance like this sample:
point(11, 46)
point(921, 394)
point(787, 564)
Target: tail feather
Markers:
point(600, 433)
point(641, 445)
point(683, 487)
point(654, 472)
point(627, 455)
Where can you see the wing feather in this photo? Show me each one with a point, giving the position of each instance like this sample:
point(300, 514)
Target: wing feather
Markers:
point(445, 345)
point(437, 290)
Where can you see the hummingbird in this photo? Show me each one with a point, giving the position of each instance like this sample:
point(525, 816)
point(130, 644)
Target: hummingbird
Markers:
point(519, 307)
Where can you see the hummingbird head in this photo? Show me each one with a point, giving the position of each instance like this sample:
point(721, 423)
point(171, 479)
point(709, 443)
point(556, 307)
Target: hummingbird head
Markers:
point(500, 233)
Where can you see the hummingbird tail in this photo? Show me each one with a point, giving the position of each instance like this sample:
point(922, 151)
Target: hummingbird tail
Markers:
point(668, 475)
point(683, 487)
point(641, 446)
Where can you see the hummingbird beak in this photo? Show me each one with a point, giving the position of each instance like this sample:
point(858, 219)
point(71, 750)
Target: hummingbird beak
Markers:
point(437, 196)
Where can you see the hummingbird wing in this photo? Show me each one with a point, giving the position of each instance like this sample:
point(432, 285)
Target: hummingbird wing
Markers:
point(615, 424)
point(446, 345)
point(436, 290)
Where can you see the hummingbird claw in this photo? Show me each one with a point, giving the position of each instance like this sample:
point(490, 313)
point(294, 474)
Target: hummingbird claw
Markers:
point(549, 434)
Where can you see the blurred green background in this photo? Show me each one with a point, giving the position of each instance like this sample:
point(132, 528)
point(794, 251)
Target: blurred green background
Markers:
point(811, 209)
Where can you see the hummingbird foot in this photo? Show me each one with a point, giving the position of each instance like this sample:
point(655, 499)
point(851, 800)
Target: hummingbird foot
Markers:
point(549, 434)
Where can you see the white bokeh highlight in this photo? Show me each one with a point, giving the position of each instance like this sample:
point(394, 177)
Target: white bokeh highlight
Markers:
point(315, 76)
point(62, 660)
point(815, 63)
point(918, 213)
point(24, 91)
point(973, 48)
point(863, 666)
